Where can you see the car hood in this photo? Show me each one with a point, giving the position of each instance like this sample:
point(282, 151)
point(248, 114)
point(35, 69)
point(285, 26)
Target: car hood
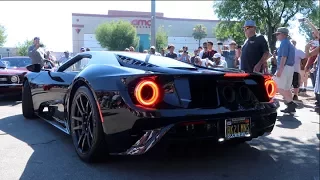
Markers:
point(12, 71)
point(19, 68)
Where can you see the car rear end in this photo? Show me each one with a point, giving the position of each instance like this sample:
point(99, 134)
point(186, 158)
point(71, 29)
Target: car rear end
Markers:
point(217, 106)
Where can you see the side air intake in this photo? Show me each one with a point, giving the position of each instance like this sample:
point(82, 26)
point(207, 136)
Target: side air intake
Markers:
point(123, 60)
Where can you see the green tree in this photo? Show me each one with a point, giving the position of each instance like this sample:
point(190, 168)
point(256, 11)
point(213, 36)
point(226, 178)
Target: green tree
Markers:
point(230, 30)
point(199, 32)
point(161, 39)
point(3, 36)
point(117, 35)
point(313, 16)
point(268, 14)
point(22, 48)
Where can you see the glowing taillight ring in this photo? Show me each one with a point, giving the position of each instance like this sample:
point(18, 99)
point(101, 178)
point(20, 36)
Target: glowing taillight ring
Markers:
point(271, 88)
point(155, 93)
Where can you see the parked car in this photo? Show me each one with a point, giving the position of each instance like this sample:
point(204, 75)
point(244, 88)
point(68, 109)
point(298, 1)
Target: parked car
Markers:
point(12, 71)
point(11, 80)
point(119, 103)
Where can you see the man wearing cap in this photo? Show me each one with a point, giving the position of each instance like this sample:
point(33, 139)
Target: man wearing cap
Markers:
point(230, 55)
point(255, 50)
point(64, 58)
point(153, 51)
point(36, 52)
point(285, 68)
point(83, 49)
point(218, 62)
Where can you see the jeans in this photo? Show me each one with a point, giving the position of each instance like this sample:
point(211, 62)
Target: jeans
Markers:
point(313, 78)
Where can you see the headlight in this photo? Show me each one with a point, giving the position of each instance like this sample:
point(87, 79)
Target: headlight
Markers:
point(14, 79)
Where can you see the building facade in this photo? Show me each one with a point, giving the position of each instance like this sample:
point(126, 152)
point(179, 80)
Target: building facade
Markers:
point(179, 30)
point(8, 52)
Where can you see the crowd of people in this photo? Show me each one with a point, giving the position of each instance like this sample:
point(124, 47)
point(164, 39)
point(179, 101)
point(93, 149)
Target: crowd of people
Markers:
point(290, 66)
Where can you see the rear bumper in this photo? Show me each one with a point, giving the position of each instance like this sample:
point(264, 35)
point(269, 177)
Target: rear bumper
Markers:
point(144, 135)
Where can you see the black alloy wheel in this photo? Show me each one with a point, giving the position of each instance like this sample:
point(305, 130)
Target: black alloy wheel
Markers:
point(86, 128)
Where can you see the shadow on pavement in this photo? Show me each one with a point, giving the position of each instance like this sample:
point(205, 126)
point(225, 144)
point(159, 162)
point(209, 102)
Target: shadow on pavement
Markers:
point(11, 101)
point(288, 121)
point(53, 157)
point(299, 103)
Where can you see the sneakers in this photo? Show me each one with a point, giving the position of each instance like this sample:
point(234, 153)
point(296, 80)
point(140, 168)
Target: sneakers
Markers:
point(291, 108)
point(302, 90)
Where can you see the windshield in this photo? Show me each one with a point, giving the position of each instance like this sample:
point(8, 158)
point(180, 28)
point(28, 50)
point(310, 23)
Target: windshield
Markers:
point(2, 65)
point(16, 62)
point(159, 60)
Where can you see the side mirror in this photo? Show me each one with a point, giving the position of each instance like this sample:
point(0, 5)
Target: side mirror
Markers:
point(34, 68)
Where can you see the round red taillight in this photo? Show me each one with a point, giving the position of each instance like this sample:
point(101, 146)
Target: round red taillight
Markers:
point(147, 93)
point(271, 88)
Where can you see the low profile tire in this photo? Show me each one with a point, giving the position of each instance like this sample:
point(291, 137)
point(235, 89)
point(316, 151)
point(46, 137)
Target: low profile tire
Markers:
point(27, 103)
point(86, 128)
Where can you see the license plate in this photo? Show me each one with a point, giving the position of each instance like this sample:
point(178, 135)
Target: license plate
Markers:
point(237, 128)
point(3, 79)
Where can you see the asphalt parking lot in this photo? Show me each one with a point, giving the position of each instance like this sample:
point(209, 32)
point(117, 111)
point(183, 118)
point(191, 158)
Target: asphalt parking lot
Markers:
point(33, 149)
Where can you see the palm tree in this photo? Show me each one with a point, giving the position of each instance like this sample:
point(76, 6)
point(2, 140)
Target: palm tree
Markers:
point(199, 32)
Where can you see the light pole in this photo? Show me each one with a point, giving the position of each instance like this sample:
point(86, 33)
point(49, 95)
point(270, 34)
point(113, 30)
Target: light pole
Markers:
point(153, 23)
point(8, 50)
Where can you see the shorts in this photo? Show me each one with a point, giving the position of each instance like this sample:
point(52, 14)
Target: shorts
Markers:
point(285, 80)
point(296, 80)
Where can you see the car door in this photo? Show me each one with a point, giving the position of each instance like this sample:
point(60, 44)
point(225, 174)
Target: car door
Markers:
point(57, 89)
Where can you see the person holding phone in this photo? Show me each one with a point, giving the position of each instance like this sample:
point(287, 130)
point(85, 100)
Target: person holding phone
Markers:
point(230, 55)
point(184, 56)
point(37, 54)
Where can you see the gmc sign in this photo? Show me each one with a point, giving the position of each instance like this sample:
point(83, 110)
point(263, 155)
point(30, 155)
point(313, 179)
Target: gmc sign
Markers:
point(140, 22)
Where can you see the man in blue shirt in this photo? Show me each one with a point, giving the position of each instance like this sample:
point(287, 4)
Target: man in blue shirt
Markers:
point(285, 68)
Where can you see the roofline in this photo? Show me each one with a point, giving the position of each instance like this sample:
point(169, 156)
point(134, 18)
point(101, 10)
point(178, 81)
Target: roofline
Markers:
point(141, 16)
point(16, 57)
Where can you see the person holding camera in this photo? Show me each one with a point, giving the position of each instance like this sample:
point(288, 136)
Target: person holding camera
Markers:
point(230, 55)
point(37, 53)
point(184, 56)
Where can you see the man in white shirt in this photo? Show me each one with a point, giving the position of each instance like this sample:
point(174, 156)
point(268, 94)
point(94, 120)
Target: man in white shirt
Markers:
point(153, 51)
point(218, 62)
point(299, 55)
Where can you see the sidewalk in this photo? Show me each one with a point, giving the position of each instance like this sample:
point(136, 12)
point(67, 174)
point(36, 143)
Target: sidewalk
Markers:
point(306, 99)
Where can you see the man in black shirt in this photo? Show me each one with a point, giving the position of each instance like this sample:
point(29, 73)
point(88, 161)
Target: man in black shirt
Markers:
point(255, 50)
point(210, 52)
point(171, 53)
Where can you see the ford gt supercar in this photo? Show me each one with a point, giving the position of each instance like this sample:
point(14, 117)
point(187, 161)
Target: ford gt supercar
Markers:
point(124, 103)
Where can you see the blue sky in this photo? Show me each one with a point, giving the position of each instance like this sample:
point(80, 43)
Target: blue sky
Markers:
point(51, 20)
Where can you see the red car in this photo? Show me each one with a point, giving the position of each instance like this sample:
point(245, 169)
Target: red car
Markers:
point(12, 71)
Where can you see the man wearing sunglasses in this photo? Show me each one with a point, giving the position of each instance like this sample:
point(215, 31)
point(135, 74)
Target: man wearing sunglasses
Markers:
point(255, 50)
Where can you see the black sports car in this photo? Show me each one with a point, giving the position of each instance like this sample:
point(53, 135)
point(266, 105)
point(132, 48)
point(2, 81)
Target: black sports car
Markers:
point(123, 103)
